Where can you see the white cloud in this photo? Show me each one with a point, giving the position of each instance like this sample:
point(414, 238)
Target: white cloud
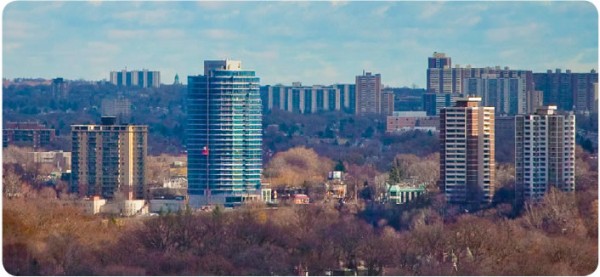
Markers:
point(280, 30)
point(100, 48)
point(582, 61)
point(212, 5)
point(222, 16)
point(95, 3)
point(321, 71)
point(10, 46)
point(317, 45)
point(338, 3)
point(467, 20)
point(378, 35)
point(266, 55)
point(119, 34)
point(305, 57)
point(444, 32)
point(359, 45)
point(297, 37)
point(19, 30)
point(509, 54)
point(369, 66)
point(144, 16)
point(264, 9)
point(220, 34)
point(410, 43)
point(513, 32)
point(168, 33)
point(431, 9)
point(381, 11)
point(564, 41)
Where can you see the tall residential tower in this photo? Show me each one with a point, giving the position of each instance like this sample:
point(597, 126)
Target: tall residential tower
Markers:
point(441, 77)
point(224, 134)
point(467, 164)
point(568, 91)
point(368, 94)
point(108, 159)
point(545, 153)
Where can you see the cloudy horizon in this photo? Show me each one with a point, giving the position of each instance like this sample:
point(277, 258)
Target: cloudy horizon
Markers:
point(284, 42)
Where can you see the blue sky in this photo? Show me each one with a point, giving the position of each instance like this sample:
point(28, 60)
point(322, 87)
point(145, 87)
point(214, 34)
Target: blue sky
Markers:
point(311, 42)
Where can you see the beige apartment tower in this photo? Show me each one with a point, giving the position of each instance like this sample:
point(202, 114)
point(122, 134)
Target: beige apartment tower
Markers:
point(387, 102)
point(109, 159)
point(467, 164)
point(368, 94)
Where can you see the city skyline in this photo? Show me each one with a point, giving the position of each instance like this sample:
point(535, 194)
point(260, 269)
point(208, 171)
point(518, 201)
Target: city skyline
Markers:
point(311, 42)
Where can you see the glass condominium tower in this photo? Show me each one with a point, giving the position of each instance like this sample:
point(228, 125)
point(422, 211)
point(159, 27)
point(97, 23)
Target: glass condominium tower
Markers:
point(224, 135)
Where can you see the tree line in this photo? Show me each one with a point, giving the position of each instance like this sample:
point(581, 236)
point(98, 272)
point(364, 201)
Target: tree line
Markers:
point(44, 233)
point(42, 236)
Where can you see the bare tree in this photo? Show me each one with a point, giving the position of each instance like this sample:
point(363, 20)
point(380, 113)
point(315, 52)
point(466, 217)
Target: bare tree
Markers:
point(12, 185)
point(296, 167)
point(157, 168)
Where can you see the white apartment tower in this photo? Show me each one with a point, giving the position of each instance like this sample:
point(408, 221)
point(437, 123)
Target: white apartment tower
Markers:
point(506, 93)
point(467, 163)
point(140, 78)
point(545, 153)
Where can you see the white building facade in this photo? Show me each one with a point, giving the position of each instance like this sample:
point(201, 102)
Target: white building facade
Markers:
point(544, 153)
point(141, 78)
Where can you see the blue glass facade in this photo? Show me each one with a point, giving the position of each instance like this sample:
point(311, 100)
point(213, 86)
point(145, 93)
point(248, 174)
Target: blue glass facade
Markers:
point(224, 136)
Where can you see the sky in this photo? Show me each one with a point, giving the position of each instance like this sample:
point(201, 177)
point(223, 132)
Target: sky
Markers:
point(311, 42)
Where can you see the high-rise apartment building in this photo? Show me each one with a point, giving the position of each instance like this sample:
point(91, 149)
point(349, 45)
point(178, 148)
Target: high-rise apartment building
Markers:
point(274, 98)
point(434, 102)
point(439, 60)
point(109, 159)
point(368, 94)
point(136, 78)
point(504, 88)
point(504, 131)
point(387, 102)
point(583, 91)
point(119, 107)
point(535, 100)
point(507, 94)
point(545, 153)
point(557, 88)
point(59, 88)
point(499, 72)
point(467, 163)
point(566, 90)
point(303, 99)
point(445, 80)
point(224, 134)
point(441, 77)
point(595, 107)
point(347, 97)
point(32, 134)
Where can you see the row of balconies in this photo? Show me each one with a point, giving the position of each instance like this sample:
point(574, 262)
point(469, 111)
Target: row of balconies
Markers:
point(228, 182)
